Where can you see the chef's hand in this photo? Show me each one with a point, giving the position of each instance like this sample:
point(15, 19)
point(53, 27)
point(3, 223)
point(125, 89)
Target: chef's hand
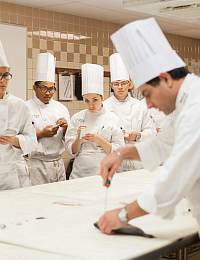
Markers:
point(131, 136)
point(62, 122)
point(109, 165)
point(12, 140)
point(50, 130)
point(93, 138)
point(110, 221)
point(78, 133)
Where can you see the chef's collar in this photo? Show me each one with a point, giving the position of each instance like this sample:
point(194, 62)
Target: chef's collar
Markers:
point(4, 97)
point(184, 92)
point(39, 102)
point(122, 101)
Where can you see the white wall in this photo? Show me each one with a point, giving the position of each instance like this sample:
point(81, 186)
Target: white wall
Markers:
point(14, 40)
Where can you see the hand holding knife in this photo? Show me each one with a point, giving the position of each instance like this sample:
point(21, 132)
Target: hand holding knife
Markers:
point(107, 185)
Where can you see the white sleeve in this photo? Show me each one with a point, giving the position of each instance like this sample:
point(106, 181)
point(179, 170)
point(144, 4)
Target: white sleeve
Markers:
point(181, 170)
point(117, 139)
point(66, 115)
point(148, 127)
point(27, 137)
point(70, 135)
point(156, 149)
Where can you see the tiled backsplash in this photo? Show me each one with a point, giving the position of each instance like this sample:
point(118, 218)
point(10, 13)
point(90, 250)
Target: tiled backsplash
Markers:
point(76, 40)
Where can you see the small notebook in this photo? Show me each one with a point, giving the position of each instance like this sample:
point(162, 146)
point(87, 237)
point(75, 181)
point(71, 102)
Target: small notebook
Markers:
point(129, 230)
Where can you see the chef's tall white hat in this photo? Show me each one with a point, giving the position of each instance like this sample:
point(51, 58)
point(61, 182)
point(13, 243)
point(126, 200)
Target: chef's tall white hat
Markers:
point(145, 50)
point(92, 79)
point(45, 68)
point(3, 59)
point(118, 70)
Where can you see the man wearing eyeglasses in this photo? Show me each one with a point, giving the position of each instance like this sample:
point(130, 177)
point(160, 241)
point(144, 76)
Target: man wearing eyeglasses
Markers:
point(17, 135)
point(50, 119)
point(135, 120)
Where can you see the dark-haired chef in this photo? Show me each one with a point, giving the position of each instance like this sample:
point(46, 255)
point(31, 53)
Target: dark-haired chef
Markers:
point(50, 119)
point(166, 84)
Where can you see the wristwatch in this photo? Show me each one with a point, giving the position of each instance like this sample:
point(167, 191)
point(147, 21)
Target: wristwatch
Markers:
point(123, 215)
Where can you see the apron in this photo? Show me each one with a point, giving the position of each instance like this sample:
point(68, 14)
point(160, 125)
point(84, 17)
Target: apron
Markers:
point(87, 162)
point(14, 175)
point(48, 171)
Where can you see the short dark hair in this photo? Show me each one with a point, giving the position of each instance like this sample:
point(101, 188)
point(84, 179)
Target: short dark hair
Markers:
point(37, 83)
point(175, 74)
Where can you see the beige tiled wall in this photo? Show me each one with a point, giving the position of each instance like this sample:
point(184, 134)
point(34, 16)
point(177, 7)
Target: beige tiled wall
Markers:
point(189, 49)
point(76, 40)
point(71, 39)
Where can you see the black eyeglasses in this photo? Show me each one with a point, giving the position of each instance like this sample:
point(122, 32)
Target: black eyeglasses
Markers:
point(120, 83)
point(44, 89)
point(6, 76)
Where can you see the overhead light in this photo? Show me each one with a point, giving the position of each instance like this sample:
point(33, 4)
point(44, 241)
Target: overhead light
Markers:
point(177, 8)
point(58, 35)
point(180, 7)
point(143, 2)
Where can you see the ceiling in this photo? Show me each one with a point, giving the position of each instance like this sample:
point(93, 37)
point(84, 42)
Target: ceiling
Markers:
point(180, 17)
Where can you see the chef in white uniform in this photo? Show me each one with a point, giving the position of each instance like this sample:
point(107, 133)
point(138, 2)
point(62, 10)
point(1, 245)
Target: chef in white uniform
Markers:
point(50, 119)
point(17, 134)
point(135, 121)
point(93, 132)
point(166, 83)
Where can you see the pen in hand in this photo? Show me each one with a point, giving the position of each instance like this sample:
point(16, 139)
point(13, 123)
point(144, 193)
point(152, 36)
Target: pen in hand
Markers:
point(107, 185)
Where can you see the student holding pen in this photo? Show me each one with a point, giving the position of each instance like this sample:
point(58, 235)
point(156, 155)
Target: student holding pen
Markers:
point(93, 132)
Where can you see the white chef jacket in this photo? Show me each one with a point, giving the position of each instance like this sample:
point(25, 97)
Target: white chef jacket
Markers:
point(133, 116)
point(157, 116)
point(180, 176)
point(49, 148)
point(15, 119)
point(104, 123)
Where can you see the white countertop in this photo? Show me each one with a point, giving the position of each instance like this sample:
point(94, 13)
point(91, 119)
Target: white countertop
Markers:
point(66, 213)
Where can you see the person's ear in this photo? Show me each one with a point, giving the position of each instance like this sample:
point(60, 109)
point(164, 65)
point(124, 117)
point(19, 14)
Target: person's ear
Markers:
point(131, 87)
point(34, 87)
point(167, 78)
